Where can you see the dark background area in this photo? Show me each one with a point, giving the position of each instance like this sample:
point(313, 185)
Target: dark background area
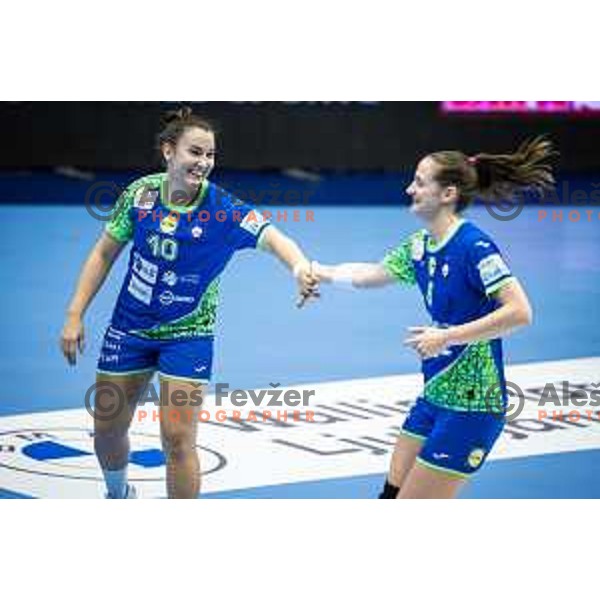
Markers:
point(329, 136)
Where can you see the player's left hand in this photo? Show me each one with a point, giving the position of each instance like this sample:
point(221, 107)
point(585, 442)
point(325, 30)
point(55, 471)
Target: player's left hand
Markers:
point(428, 342)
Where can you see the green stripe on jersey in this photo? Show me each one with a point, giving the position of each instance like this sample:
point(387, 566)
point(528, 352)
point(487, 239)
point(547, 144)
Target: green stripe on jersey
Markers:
point(467, 384)
point(199, 323)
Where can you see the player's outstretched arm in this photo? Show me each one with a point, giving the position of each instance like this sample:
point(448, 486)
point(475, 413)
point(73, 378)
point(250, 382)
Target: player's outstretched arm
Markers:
point(354, 275)
point(290, 254)
point(94, 273)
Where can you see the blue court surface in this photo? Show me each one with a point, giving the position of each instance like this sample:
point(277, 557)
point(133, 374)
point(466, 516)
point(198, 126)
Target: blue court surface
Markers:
point(348, 348)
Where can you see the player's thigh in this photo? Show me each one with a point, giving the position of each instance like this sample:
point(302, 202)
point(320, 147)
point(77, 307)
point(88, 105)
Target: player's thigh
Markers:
point(115, 400)
point(125, 367)
point(185, 368)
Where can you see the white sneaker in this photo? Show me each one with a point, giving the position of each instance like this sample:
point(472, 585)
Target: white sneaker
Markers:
point(130, 494)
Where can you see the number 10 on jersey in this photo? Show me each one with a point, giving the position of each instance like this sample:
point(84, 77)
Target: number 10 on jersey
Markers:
point(165, 248)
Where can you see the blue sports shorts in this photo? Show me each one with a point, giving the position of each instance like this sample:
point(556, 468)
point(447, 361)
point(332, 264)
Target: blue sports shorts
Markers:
point(455, 443)
point(126, 354)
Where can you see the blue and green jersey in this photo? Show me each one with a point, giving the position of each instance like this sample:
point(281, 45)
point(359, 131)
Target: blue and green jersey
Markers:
point(459, 279)
point(171, 290)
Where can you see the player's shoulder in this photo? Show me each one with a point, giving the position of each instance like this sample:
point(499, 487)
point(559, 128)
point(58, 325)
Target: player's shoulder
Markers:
point(473, 237)
point(145, 191)
point(153, 181)
point(223, 199)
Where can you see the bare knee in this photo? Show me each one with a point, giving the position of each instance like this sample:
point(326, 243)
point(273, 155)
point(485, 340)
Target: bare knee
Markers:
point(114, 405)
point(403, 459)
point(179, 442)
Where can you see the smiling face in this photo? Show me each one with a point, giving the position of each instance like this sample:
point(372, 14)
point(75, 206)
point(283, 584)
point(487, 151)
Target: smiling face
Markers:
point(191, 160)
point(428, 196)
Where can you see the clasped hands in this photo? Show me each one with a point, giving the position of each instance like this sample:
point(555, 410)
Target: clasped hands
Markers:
point(308, 280)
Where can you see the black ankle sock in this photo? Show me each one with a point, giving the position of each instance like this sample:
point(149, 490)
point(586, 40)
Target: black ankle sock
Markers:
point(390, 492)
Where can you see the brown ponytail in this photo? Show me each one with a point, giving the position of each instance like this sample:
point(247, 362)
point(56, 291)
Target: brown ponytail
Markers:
point(495, 176)
point(175, 122)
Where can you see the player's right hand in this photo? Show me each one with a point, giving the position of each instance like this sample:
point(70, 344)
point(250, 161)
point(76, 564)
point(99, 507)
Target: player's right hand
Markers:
point(72, 339)
point(308, 283)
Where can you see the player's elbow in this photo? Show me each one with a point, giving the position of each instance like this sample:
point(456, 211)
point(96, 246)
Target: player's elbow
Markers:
point(107, 250)
point(105, 256)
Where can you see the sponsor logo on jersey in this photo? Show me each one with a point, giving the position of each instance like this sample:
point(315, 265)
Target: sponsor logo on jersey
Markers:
point(140, 291)
point(110, 346)
point(446, 270)
point(167, 298)
point(145, 199)
point(145, 269)
point(190, 279)
point(170, 278)
point(441, 456)
point(253, 223)
point(169, 224)
point(115, 334)
point(109, 359)
point(492, 269)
